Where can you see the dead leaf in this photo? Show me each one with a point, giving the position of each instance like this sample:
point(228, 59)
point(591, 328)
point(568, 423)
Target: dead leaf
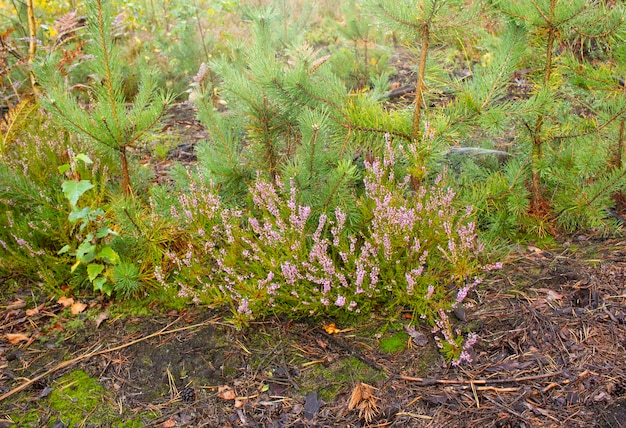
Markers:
point(31, 312)
point(225, 392)
point(312, 405)
point(321, 343)
point(363, 399)
point(65, 301)
point(170, 423)
point(44, 393)
point(417, 337)
point(15, 338)
point(18, 304)
point(77, 308)
point(57, 327)
point(101, 318)
point(437, 398)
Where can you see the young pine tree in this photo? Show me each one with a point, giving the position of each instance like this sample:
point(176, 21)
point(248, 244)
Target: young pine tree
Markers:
point(107, 119)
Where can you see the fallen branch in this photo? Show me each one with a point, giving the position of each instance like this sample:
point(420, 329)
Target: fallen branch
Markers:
point(428, 382)
point(94, 353)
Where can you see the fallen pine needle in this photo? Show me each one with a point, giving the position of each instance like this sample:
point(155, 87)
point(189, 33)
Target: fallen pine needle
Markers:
point(414, 415)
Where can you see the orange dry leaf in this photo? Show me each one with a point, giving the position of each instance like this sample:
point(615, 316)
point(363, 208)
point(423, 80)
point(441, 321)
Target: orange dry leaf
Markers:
point(331, 328)
point(15, 338)
point(31, 312)
point(225, 392)
point(77, 308)
point(65, 301)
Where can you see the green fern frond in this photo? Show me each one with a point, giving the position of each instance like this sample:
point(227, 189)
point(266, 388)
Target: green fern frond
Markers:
point(14, 121)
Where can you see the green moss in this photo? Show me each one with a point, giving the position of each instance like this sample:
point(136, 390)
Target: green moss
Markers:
point(395, 343)
point(31, 418)
point(77, 397)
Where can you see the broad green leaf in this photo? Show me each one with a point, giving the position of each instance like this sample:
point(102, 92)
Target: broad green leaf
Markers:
point(86, 252)
point(103, 286)
point(104, 232)
point(84, 158)
point(63, 168)
point(109, 255)
point(77, 215)
point(93, 270)
point(74, 189)
point(64, 250)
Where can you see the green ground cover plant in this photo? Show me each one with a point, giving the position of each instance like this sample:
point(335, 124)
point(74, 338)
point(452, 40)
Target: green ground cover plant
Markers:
point(313, 195)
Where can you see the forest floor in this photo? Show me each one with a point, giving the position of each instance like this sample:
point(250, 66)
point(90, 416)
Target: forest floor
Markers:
point(552, 327)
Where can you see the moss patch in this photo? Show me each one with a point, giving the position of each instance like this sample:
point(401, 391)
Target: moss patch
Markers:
point(394, 343)
point(77, 398)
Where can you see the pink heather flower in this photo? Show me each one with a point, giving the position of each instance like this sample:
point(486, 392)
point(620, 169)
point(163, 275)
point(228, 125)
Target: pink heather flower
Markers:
point(461, 295)
point(340, 301)
point(495, 266)
point(320, 228)
point(268, 279)
point(410, 283)
point(429, 293)
point(243, 307)
point(271, 290)
point(290, 272)
point(360, 275)
point(389, 155)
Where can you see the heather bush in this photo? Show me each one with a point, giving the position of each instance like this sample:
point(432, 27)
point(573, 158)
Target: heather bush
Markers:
point(413, 249)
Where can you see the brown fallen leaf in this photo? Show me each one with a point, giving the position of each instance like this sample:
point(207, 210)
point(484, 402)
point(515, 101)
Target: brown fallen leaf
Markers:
point(18, 304)
point(65, 301)
point(15, 338)
point(170, 423)
point(225, 392)
point(77, 308)
point(32, 312)
point(417, 337)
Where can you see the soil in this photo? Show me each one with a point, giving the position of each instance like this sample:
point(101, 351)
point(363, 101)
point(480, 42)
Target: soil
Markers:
point(552, 328)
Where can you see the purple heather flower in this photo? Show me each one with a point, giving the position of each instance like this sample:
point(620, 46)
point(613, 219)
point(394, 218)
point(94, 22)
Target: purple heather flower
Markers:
point(340, 301)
